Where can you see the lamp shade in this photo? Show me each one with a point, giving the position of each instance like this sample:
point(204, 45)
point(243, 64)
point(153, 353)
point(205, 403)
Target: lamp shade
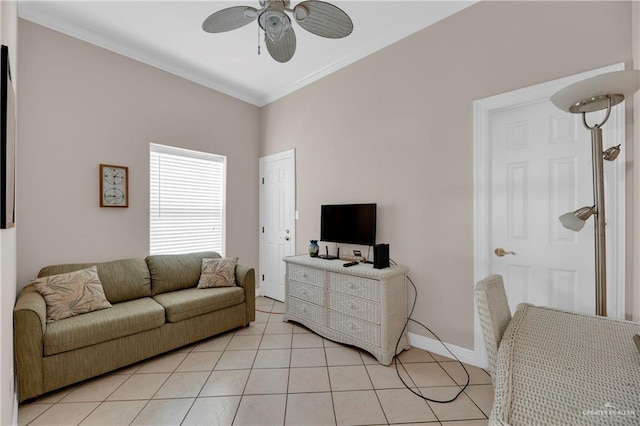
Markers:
point(575, 221)
point(611, 153)
point(592, 94)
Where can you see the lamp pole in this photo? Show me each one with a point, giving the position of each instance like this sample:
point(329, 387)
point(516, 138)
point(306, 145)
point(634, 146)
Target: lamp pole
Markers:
point(599, 228)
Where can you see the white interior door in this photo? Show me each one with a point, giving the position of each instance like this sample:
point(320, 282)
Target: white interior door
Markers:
point(277, 221)
point(533, 163)
point(541, 169)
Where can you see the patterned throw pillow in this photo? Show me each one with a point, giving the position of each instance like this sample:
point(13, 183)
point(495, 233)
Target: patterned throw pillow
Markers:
point(75, 293)
point(218, 272)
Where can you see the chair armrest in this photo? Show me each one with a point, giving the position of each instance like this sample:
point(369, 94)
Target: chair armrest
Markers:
point(246, 278)
point(29, 324)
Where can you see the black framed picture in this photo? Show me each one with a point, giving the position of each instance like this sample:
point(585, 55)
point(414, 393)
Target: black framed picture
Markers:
point(7, 144)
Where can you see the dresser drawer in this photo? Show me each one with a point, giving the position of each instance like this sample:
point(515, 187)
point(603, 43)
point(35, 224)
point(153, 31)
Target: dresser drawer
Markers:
point(307, 292)
point(354, 306)
point(304, 274)
point(354, 327)
point(304, 310)
point(355, 286)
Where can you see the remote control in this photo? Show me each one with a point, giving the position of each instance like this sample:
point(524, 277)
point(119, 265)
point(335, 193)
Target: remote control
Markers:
point(346, 265)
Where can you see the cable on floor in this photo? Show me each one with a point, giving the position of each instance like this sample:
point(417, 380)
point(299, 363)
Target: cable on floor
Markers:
point(397, 360)
point(268, 312)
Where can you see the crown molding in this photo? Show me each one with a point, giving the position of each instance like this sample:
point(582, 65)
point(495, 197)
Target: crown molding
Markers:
point(355, 56)
point(53, 23)
point(218, 83)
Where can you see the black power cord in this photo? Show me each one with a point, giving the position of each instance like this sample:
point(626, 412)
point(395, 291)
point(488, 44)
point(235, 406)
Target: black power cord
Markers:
point(396, 360)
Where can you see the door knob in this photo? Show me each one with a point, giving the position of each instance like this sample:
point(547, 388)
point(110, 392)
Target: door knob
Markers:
point(501, 252)
point(287, 238)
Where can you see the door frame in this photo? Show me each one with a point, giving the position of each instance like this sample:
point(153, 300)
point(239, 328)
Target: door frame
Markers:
point(482, 113)
point(262, 214)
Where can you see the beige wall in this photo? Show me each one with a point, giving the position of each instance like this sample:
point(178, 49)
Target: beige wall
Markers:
point(8, 401)
point(81, 105)
point(396, 128)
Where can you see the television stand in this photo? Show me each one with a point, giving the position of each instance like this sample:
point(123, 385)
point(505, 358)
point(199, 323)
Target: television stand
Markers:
point(359, 306)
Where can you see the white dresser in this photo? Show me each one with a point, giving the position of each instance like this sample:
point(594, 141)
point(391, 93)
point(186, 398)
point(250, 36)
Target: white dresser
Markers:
point(359, 305)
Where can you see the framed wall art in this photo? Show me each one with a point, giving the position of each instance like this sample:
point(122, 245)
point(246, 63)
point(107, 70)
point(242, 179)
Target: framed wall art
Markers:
point(114, 186)
point(7, 143)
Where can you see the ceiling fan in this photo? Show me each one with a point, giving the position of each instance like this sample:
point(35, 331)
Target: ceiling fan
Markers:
point(317, 17)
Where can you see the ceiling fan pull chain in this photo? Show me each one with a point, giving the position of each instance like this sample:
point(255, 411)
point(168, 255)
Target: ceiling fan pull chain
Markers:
point(258, 40)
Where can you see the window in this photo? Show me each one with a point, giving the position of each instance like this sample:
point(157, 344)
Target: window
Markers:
point(186, 201)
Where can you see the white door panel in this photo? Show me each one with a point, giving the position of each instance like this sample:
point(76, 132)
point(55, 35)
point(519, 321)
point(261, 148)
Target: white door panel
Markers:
point(277, 222)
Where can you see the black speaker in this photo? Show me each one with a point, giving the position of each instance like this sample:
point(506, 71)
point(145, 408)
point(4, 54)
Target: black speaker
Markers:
point(381, 256)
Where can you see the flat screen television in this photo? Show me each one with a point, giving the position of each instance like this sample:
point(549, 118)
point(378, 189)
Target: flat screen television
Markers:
point(348, 224)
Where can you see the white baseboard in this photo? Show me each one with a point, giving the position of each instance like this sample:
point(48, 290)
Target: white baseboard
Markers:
point(432, 345)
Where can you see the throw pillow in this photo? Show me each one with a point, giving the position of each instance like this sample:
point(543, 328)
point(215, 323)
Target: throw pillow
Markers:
point(75, 293)
point(218, 272)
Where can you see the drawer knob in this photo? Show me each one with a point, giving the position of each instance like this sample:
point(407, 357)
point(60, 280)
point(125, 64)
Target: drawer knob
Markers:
point(303, 309)
point(303, 292)
point(304, 275)
point(351, 327)
point(350, 306)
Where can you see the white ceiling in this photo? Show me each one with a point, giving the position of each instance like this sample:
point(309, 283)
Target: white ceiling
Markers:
point(168, 35)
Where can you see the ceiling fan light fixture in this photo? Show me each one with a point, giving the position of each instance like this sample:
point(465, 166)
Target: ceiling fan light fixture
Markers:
point(275, 23)
point(315, 16)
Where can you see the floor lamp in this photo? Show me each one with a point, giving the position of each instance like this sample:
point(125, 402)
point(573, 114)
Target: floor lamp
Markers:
point(601, 92)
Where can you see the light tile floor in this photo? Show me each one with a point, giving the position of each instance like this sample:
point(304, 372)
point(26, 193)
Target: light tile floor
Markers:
point(271, 373)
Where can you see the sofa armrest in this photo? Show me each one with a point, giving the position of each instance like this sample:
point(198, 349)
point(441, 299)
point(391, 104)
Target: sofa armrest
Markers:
point(246, 278)
point(29, 325)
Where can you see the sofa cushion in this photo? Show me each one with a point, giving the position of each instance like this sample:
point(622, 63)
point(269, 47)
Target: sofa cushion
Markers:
point(121, 320)
point(218, 273)
point(170, 272)
point(71, 294)
point(122, 280)
point(192, 302)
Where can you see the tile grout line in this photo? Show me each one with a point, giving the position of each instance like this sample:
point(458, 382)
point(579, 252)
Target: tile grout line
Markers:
point(244, 388)
point(207, 379)
point(333, 402)
point(374, 390)
point(253, 368)
point(286, 397)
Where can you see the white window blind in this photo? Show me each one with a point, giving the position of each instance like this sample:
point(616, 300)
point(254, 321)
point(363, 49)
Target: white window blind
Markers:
point(186, 201)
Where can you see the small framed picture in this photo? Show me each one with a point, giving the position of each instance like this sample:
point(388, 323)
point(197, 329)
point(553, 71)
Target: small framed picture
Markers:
point(114, 186)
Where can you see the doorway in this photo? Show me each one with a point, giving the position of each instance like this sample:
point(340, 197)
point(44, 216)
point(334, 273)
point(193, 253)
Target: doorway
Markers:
point(277, 221)
point(532, 164)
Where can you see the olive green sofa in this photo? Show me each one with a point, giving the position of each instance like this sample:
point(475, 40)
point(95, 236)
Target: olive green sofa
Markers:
point(156, 308)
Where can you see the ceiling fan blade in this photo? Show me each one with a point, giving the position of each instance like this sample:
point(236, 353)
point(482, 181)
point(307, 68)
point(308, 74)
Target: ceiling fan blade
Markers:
point(229, 19)
point(283, 50)
point(323, 19)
